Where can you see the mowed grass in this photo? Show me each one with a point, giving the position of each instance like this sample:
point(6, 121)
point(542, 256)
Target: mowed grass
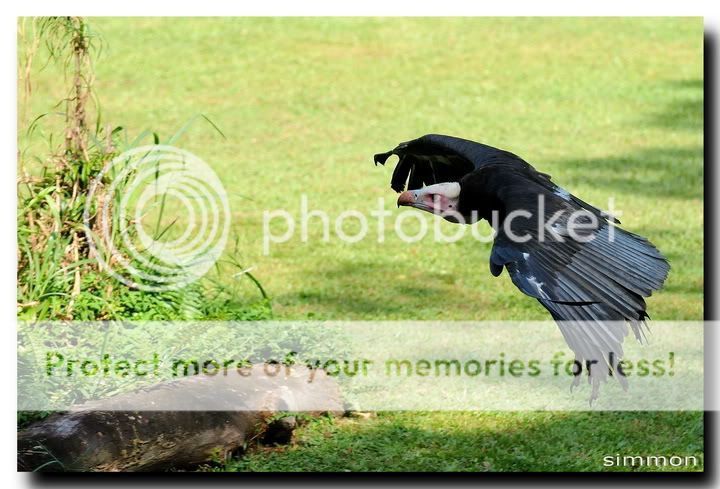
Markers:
point(482, 442)
point(612, 108)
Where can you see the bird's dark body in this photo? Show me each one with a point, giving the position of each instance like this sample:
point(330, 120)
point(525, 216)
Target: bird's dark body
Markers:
point(601, 282)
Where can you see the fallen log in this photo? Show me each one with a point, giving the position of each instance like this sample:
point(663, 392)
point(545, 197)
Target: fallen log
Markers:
point(177, 424)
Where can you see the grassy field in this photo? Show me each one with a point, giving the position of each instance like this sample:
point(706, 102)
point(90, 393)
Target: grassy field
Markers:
point(609, 107)
point(480, 442)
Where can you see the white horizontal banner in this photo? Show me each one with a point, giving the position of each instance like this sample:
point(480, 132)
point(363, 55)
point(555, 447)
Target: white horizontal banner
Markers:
point(367, 366)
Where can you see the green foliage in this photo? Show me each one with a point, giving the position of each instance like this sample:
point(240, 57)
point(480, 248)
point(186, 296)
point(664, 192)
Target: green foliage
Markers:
point(58, 276)
point(197, 301)
point(26, 418)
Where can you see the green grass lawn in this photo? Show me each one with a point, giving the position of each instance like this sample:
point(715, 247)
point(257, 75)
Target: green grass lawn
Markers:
point(480, 442)
point(609, 107)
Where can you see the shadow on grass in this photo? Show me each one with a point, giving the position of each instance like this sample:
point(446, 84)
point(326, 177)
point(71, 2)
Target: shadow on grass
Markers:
point(675, 172)
point(658, 173)
point(687, 113)
point(362, 289)
point(487, 442)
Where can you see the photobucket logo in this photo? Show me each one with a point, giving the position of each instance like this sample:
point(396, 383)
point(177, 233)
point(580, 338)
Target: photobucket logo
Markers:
point(520, 226)
point(156, 218)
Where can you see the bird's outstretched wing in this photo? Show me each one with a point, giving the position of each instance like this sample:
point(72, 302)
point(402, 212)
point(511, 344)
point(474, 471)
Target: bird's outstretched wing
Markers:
point(593, 282)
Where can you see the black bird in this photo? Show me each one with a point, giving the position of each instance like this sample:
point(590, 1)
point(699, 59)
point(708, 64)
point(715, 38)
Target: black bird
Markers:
point(590, 274)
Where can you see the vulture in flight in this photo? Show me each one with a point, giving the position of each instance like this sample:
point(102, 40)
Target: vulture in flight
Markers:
point(591, 275)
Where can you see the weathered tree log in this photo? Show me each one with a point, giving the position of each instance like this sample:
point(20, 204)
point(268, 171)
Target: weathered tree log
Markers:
point(163, 428)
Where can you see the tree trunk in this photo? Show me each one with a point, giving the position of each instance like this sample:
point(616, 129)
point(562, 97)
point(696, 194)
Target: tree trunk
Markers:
point(103, 436)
